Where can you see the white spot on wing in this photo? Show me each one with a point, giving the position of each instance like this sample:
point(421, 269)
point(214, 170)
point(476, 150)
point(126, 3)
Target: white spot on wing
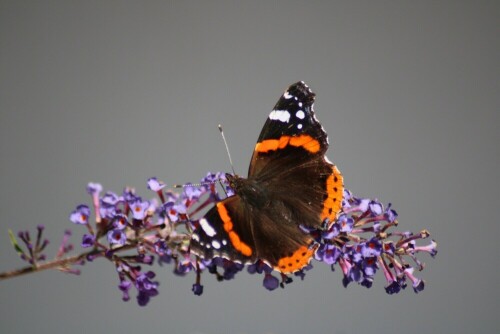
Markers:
point(224, 242)
point(328, 160)
point(287, 95)
point(300, 114)
point(195, 237)
point(299, 126)
point(280, 115)
point(215, 244)
point(205, 225)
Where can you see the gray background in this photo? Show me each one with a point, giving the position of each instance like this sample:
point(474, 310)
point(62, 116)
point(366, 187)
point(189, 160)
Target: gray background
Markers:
point(117, 91)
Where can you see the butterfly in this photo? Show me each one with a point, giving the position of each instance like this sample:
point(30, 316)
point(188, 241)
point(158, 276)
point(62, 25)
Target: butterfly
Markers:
point(291, 183)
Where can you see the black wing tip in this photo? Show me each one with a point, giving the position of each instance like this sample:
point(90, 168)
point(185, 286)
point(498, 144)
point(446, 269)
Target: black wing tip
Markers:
point(301, 86)
point(302, 91)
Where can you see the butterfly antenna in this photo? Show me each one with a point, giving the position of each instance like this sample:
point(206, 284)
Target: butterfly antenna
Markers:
point(192, 185)
point(227, 148)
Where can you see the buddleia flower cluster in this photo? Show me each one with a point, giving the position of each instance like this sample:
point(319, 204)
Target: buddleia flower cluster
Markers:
point(133, 233)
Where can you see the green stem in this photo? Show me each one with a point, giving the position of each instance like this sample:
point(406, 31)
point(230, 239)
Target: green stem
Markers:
point(64, 262)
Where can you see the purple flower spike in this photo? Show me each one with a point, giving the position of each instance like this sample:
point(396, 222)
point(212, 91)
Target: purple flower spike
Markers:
point(270, 282)
point(117, 237)
point(88, 240)
point(80, 215)
point(358, 240)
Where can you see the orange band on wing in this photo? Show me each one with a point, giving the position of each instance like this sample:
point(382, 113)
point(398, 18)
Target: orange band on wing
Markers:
point(228, 224)
point(272, 144)
point(335, 192)
point(242, 247)
point(305, 141)
point(239, 245)
point(298, 260)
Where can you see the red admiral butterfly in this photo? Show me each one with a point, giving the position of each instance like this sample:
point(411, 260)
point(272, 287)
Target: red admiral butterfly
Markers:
point(290, 183)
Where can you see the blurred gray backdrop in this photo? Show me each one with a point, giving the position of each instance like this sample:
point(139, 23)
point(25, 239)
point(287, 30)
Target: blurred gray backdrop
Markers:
point(118, 91)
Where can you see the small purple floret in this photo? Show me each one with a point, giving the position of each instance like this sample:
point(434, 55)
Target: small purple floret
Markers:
point(80, 215)
point(110, 199)
point(145, 287)
point(94, 188)
point(346, 223)
point(372, 247)
point(270, 282)
point(197, 289)
point(418, 286)
point(88, 240)
point(192, 193)
point(139, 209)
point(375, 207)
point(120, 221)
point(389, 214)
point(117, 237)
point(155, 185)
point(124, 287)
point(393, 288)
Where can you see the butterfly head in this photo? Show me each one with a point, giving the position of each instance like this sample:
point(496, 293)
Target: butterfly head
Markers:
point(235, 181)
